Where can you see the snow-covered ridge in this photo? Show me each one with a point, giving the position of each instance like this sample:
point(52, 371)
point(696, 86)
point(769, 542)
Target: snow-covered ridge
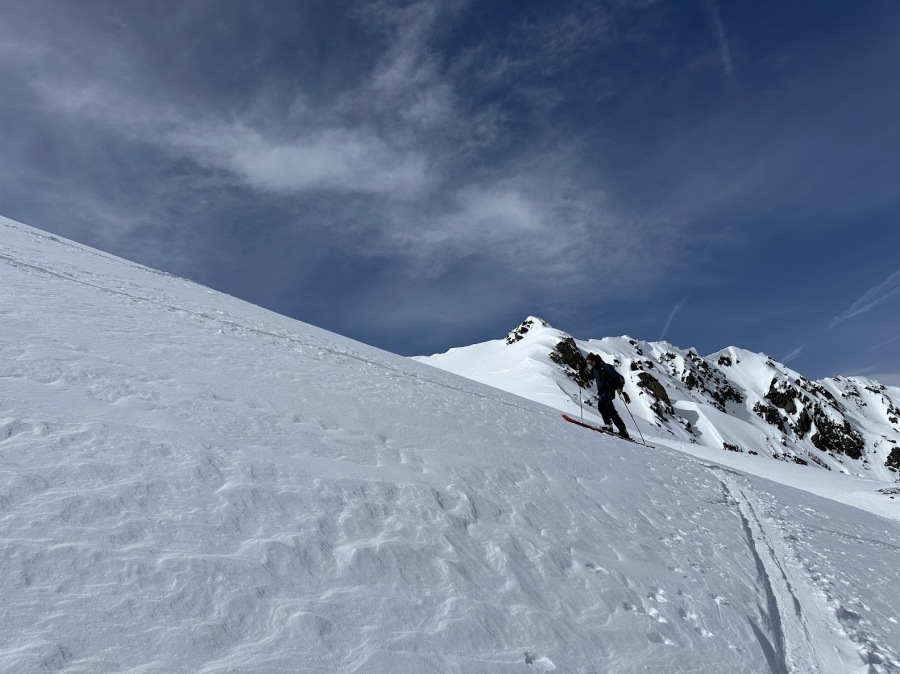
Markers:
point(189, 483)
point(734, 399)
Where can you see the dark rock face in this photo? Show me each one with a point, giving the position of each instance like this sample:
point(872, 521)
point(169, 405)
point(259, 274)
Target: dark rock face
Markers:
point(789, 458)
point(770, 415)
point(517, 334)
point(567, 355)
point(725, 392)
point(724, 361)
point(690, 380)
point(853, 393)
point(817, 389)
point(893, 414)
point(807, 404)
point(803, 425)
point(700, 376)
point(893, 460)
point(662, 405)
point(834, 437)
point(783, 399)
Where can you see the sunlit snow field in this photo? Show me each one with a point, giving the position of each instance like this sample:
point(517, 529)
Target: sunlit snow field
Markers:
point(189, 483)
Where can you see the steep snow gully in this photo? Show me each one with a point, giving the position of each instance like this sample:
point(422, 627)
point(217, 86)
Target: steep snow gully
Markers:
point(189, 483)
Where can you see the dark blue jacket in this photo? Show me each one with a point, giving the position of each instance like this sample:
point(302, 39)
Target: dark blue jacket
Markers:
point(607, 381)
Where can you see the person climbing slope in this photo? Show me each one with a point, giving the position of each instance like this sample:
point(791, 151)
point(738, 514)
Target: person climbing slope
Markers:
point(608, 383)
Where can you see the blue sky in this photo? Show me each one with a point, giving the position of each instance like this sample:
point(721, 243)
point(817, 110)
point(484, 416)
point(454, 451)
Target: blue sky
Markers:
point(422, 175)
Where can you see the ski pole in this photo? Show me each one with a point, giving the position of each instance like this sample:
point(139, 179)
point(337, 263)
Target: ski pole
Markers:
point(632, 417)
point(580, 404)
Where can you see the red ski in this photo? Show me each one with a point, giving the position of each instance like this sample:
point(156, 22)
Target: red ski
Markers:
point(599, 429)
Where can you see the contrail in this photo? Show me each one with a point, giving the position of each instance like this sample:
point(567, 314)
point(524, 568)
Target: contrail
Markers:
point(722, 41)
point(880, 293)
point(884, 343)
point(671, 316)
point(793, 354)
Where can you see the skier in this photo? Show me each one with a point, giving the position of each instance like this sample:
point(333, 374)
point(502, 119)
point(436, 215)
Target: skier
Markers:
point(608, 383)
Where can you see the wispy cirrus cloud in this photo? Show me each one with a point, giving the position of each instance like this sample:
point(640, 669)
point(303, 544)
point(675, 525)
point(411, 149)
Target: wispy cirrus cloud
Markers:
point(342, 160)
point(519, 223)
point(560, 152)
point(398, 137)
point(364, 140)
point(314, 156)
point(884, 291)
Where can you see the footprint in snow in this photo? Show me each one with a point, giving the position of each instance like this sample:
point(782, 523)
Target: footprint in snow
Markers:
point(658, 595)
point(590, 566)
point(653, 613)
point(658, 638)
point(540, 663)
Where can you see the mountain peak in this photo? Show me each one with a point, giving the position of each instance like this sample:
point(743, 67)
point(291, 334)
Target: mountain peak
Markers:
point(525, 327)
point(734, 399)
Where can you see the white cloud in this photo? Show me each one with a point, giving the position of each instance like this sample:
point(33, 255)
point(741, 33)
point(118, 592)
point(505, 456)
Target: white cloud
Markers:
point(516, 227)
point(405, 139)
point(338, 159)
point(421, 215)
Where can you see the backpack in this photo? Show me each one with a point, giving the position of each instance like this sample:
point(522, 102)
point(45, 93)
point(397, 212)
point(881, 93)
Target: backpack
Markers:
point(616, 380)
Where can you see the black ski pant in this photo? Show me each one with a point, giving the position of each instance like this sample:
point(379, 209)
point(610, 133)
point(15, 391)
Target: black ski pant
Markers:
point(610, 415)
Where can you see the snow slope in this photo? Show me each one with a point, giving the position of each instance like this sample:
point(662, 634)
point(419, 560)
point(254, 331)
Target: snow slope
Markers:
point(189, 483)
point(735, 400)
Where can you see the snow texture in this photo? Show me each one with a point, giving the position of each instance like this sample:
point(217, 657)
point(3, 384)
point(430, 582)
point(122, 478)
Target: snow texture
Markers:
point(189, 483)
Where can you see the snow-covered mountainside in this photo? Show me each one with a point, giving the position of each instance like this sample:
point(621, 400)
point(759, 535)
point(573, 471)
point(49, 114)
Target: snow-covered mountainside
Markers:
point(733, 400)
point(189, 483)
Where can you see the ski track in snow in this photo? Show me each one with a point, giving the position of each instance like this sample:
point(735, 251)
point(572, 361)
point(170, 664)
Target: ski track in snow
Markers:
point(803, 600)
point(192, 484)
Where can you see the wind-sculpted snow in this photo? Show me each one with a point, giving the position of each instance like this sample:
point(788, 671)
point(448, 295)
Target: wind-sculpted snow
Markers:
point(192, 484)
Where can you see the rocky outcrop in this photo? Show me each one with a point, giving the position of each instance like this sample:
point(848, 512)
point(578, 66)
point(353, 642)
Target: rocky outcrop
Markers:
point(567, 356)
point(520, 332)
point(662, 405)
point(803, 424)
point(832, 436)
point(769, 414)
point(893, 414)
point(893, 460)
point(782, 398)
point(709, 382)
